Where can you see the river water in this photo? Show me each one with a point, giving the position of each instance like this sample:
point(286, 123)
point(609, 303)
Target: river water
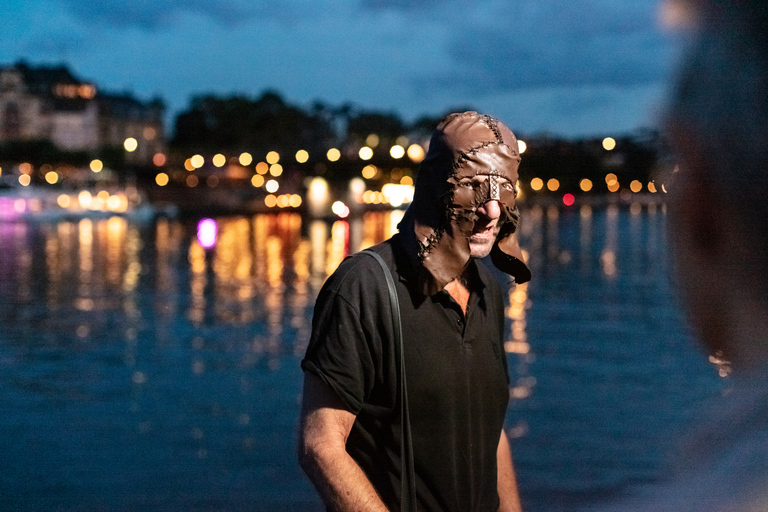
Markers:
point(140, 370)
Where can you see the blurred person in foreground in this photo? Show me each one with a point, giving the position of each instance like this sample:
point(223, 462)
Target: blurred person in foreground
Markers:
point(718, 225)
point(452, 323)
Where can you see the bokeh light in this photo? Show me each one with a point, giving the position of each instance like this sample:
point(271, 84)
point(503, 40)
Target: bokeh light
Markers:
point(162, 179)
point(521, 146)
point(537, 184)
point(130, 144)
point(219, 160)
point(397, 151)
point(416, 153)
point(333, 154)
point(369, 171)
point(340, 209)
point(553, 184)
point(365, 153)
point(372, 140)
point(245, 159)
point(206, 233)
point(96, 165)
point(585, 185)
point(272, 186)
point(272, 157)
point(609, 143)
point(257, 180)
point(302, 156)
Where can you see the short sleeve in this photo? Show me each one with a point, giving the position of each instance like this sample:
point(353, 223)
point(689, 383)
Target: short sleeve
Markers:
point(338, 352)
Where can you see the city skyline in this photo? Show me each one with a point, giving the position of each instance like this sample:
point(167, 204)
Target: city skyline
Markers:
point(572, 69)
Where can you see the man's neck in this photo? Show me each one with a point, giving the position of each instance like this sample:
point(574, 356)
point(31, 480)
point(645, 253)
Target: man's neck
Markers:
point(458, 289)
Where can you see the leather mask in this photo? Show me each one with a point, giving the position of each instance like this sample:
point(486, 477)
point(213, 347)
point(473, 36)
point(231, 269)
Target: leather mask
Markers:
point(472, 159)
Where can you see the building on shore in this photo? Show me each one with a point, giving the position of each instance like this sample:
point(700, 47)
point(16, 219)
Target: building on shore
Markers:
point(50, 103)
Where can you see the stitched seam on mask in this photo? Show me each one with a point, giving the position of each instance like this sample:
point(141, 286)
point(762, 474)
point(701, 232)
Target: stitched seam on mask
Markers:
point(493, 124)
point(426, 247)
point(464, 156)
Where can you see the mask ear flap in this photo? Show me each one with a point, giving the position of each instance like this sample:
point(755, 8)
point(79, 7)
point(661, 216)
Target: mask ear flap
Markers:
point(506, 253)
point(508, 257)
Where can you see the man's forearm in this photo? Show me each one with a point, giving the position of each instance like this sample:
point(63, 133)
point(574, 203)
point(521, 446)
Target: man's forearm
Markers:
point(343, 486)
point(507, 485)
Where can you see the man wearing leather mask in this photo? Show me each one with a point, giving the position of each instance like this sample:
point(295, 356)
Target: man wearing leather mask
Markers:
point(452, 316)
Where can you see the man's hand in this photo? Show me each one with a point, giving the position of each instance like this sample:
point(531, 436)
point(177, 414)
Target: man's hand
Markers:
point(325, 426)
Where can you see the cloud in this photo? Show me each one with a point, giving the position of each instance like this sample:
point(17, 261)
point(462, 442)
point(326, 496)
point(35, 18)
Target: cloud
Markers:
point(156, 14)
point(529, 44)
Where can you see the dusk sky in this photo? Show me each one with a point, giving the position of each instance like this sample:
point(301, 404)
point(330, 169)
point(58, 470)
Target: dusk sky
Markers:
point(568, 67)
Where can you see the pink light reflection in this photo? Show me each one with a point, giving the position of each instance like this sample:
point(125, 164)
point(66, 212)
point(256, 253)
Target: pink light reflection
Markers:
point(206, 233)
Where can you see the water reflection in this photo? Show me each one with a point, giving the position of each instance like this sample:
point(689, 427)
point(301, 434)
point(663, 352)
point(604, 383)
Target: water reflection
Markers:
point(179, 362)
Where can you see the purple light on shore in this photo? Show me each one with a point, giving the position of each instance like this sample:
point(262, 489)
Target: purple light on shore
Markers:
point(206, 233)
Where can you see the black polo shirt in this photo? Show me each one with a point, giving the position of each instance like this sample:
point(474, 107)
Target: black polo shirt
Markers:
point(456, 371)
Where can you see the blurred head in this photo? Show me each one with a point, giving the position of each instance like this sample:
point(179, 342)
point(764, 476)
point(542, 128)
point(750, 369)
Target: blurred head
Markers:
point(718, 123)
point(465, 195)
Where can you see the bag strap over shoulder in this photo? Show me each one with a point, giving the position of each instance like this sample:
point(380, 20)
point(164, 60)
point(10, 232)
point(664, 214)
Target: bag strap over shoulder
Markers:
point(408, 476)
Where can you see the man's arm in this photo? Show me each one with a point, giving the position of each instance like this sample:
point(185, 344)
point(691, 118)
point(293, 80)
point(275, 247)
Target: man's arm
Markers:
point(325, 426)
point(507, 486)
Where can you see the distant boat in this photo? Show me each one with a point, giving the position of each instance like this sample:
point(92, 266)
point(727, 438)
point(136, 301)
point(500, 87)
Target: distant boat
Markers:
point(45, 203)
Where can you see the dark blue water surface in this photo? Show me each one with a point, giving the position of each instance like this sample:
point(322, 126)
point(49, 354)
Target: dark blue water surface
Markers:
point(141, 371)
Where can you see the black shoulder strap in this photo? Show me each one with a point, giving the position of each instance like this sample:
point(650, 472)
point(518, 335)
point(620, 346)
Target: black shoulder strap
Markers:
point(408, 477)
